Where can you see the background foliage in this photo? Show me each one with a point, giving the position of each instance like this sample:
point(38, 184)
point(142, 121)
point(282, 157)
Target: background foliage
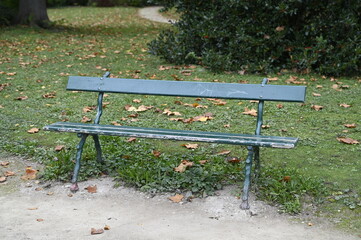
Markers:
point(265, 36)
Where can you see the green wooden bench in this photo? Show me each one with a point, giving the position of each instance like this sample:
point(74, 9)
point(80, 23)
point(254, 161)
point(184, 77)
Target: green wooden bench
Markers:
point(261, 92)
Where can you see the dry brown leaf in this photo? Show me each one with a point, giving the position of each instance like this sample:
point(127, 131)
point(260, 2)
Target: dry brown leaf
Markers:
point(170, 113)
point(352, 125)
point(33, 208)
point(50, 95)
point(317, 107)
point(58, 148)
point(137, 101)
point(265, 126)
point(224, 152)
point(115, 123)
point(30, 174)
point(88, 108)
point(227, 125)
point(86, 119)
point(273, 79)
point(91, 188)
point(279, 106)
point(347, 140)
point(2, 179)
point(21, 98)
point(190, 145)
point(4, 164)
point(280, 28)
point(316, 94)
point(319, 86)
point(183, 166)
point(33, 130)
point(106, 227)
point(131, 139)
point(286, 179)
point(176, 198)
point(345, 105)
point(233, 160)
point(156, 153)
point(252, 112)
point(9, 173)
point(203, 162)
point(40, 220)
point(94, 231)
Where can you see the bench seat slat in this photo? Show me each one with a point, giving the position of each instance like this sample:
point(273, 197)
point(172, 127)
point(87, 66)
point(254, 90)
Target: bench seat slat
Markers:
point(171, 134)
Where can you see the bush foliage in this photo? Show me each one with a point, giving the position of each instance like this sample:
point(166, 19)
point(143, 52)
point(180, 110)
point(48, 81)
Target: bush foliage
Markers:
point(262, 36)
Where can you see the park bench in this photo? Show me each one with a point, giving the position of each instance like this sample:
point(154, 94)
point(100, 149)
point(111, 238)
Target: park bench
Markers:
point(261, 92)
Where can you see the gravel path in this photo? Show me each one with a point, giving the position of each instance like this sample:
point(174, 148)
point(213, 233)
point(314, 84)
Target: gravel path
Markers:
point(47, 210)
point(152, 13)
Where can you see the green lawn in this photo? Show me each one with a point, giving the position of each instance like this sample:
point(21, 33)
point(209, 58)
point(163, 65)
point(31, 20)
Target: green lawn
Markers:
point(35, 63)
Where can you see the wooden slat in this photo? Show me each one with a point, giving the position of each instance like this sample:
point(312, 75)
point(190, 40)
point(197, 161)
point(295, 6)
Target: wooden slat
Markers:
point(180, 135)
point(189, 89)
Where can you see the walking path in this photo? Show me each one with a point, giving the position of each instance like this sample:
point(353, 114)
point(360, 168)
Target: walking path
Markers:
point(47, 210)
point(152, 13)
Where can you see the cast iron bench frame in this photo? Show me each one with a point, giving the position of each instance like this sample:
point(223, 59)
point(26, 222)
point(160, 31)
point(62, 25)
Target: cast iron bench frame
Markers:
point(261, 92)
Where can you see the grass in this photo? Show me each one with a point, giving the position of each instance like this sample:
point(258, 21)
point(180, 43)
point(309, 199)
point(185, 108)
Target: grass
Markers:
point(90, 41)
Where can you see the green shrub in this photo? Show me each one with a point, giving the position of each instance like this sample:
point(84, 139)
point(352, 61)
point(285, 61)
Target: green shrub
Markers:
point(265, 36)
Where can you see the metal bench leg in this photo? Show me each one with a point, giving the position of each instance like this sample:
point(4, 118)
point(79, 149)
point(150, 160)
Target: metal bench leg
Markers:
point(79, 152)
point(247, 179)
point(257, 163)
point(98, 148)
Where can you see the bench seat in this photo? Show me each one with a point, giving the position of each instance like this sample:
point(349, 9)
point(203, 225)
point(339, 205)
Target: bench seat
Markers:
point(171, 134)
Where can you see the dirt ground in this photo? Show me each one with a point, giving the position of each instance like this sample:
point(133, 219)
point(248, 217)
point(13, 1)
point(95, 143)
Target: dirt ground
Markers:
point(47, 210)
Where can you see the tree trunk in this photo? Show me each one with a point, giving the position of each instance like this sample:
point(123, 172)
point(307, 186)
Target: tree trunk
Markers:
point(32, 12)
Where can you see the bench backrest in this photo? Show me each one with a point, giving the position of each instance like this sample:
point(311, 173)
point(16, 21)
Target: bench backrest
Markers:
point(189, 89)
point(261, 92)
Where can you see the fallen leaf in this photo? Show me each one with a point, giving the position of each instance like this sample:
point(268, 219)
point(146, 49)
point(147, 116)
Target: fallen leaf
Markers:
point(88, 108)
point(265, 126)
point(4, 164)
point(279, 106)
point(58, 148)
point(86, 119)
point(280, 28)
point(2, 179)
point(131, 139)
point(21, 98)
point(352, 125)
point(137, 101)
point(286, 179)
point(40, 220)
point(316, 94)
point(345, 105)
point(91, 188)
point(50, 193)
point(33, 208)
point(156, 153)
point(106, 227)
point(273, 79)
point(190, 145)
point(39, 189)
point(9, 173)
point(317, 107)
point(30, 174)
point(319, 86)
point(170, 113)
point(176, 198)
point(347, 140)
point(94, 231)
point(224, 152)
point(310, 224)
point(183, 166)
point(227, 125)
point(252, 112)
point(203, 162)
point(50, 95)
point(233, 159)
